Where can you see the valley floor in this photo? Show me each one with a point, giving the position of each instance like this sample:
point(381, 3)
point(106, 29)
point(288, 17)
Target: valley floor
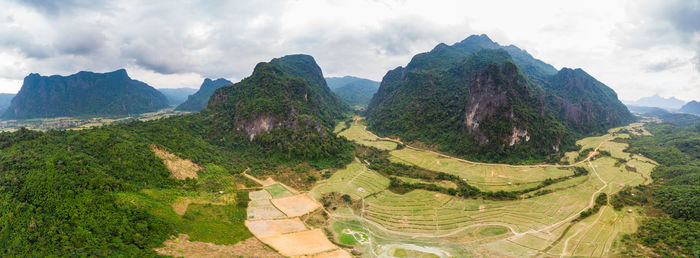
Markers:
point(353, 212)
point(431, 224)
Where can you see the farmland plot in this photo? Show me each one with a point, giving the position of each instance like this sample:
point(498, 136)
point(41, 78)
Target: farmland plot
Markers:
point(541, 224)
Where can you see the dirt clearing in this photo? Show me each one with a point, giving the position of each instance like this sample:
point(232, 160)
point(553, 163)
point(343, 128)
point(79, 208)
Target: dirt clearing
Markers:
point(263, 228)
point(181, 246)
point(300, 243)
point(296, 205)
point(263, 209)
point(179, 168)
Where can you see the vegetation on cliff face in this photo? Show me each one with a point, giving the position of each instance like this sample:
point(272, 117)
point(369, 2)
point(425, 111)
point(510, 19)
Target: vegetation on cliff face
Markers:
point(84, 93)
point(199, 100)
point(486, 102)
point(284, 106)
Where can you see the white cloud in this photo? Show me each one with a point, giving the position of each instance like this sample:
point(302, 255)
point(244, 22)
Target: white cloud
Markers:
point(178, 43)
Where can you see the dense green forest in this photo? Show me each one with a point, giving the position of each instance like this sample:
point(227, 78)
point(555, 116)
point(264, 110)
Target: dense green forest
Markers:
point(673, 226)
point(103, 192)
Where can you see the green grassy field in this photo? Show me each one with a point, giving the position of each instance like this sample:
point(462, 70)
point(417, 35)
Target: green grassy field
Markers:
point(277, 190)
point(358, 133)
point(485, 177)
point(219, 224)
point(355, 180)
point(524, 227)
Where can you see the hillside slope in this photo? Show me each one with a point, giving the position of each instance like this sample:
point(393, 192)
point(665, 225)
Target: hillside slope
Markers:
point(198, 101)
point(84, 93)
point(487, 102)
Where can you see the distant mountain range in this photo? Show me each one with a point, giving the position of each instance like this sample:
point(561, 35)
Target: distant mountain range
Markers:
point(692, 107)
point(176, 96)
point(671, 103)
point(198, 101)
point(84, 93)
point(489, 102)
point(5, 99)
point(353, 90)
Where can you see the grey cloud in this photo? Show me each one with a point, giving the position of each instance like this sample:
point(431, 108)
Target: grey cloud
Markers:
point(665, 65)
point(664, 23)
point(24, 42)
point(55, 7)
point(80, 42)
point(683, 15)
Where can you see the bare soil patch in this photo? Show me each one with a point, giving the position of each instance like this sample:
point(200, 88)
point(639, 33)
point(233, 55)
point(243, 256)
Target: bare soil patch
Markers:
point(179, 168)
point(263, 228)
point(263, 209)
point(260, 195)
point(296, 205)
point(182, 247)
point(300, 243)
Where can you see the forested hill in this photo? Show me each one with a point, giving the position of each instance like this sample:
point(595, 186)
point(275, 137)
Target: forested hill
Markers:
point(353, 90)
point(103, 192)
point(671, 227)
point(198, 101)
point(84, 93)
point(284, 105)
point(488, 102)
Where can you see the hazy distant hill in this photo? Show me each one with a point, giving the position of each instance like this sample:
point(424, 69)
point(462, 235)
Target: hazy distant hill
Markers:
point(84, 93)
point(692, 107)
point(5, 99)
point(199, 100)
point(353, 90)
point(643, 109)
point(493, 103)
point(176, 96)
point(658, 101)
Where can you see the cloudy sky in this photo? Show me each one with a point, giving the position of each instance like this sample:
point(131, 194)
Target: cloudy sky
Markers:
point(637, 47)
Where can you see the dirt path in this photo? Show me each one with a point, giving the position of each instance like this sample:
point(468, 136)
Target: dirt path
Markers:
point(566, 243)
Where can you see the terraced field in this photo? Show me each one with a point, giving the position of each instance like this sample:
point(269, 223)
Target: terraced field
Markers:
point(486, 177)
point(355, 180)
point(537, 225)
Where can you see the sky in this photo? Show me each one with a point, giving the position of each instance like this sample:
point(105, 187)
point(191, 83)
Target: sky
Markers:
point(637, 47)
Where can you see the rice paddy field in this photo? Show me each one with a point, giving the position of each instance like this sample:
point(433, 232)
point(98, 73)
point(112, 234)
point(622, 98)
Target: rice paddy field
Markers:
point(355, 180)
point(429, 224)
